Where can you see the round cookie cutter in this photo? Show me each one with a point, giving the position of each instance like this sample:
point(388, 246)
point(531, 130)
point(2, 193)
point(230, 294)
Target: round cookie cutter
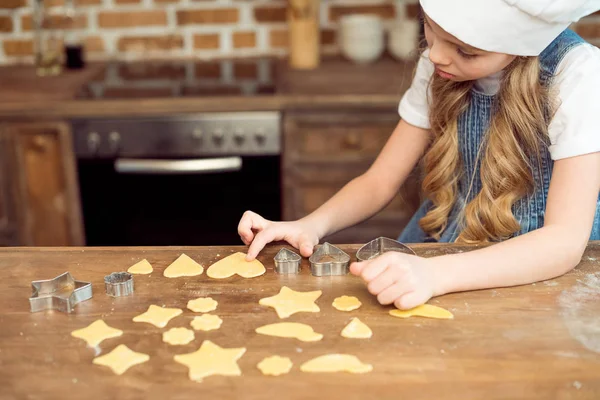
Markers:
point(119, 284)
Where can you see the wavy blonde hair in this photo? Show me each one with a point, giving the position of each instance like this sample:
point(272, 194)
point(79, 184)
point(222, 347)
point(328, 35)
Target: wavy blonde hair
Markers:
point(517, 130)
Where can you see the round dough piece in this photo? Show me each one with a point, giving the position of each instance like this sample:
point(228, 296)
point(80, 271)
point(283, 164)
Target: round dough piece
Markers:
point(275, 365)
point(346, 303)
point(202, 304)
point(178, 336)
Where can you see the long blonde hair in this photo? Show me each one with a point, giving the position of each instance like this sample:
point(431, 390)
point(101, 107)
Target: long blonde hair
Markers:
point(517, 130)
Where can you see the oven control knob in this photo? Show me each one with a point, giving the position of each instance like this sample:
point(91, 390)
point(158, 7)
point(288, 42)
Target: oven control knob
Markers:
point(93, 142)
point(198, 134)
point(239, 135)
point(218, 136)
point(260, 135)
point(114, 141)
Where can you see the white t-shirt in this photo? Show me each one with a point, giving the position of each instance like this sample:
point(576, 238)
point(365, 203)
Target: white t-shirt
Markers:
point(575, 128)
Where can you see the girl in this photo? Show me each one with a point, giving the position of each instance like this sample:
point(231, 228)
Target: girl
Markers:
point(504, 111)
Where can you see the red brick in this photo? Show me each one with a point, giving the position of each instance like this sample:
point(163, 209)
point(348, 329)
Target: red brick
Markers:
point(12, 3)
point(244, 40)
point(126, 19)
point(270, 14)
point(413, 11)
point(127, 1)
point(278, 38)
point(245, 70)
point(15, 47)
point(6, 24)
point(208, 70)
point(327, 36)
point(207, 41)
point(149, 43)
point(58, 21)
point(214, 16)
point(94, 44)
point(385, 11)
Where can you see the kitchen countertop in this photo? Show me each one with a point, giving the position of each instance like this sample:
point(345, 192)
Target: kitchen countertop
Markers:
point(536, 341)
point(336, 83)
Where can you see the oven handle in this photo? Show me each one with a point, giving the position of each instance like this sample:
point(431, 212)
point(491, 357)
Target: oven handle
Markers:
point(172, 167)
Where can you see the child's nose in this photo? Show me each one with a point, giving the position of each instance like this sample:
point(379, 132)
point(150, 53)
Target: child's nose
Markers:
point(438, 55)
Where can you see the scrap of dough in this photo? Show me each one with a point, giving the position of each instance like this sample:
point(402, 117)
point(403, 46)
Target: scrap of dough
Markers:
point(177, 336)
point(275, 365)
point(121, 359)
point(158, 316)
point(235, 264)
point(357, 329)
point(202, 304)
point(96, 332)
point(346, 303)
point(211, 359)
point(206, 322)
point(289, 302)
point(183, 266)
point(295, 330)
point(336, 363)
point(142, 267)
point(425, 310)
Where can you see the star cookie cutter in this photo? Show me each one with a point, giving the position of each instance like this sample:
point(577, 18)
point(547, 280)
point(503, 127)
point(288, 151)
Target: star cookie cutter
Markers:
point(61, 293)
point(379, 246)
point(329, 260)
point(287, 262)
point(119, 284)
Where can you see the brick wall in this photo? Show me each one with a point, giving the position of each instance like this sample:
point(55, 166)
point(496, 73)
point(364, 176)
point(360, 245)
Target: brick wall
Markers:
point(201, 28)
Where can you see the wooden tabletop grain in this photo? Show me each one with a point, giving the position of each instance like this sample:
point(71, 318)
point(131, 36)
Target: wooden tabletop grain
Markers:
point(537, 341)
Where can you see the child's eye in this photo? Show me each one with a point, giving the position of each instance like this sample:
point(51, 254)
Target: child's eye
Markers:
point(465, 55)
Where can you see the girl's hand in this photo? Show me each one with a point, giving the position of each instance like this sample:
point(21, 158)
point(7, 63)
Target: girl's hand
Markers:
point(256, 231)
point(402, 279)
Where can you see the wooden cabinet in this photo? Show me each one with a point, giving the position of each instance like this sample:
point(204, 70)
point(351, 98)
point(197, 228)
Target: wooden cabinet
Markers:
point(39, 196)
point(325, 150)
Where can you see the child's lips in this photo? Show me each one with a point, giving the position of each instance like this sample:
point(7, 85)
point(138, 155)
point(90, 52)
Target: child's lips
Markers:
point(444, 74)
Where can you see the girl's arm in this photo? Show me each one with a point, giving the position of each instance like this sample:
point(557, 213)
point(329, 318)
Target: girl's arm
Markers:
point(369, 193)
point(545, 253)
point(557, 247)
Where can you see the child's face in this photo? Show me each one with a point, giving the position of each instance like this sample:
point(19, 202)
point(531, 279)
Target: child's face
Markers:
point(458, 61)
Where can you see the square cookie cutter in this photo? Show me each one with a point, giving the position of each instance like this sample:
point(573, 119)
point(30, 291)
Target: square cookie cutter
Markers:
point(329, 260)
point(379, 246)
point(61, 293)
point(119, 284)
point(287, 262)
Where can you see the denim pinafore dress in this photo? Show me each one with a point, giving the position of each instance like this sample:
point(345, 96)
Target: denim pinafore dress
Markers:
point(472, 126)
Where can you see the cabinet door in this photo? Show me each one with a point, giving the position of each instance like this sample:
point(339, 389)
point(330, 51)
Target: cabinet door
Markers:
point(43, 174)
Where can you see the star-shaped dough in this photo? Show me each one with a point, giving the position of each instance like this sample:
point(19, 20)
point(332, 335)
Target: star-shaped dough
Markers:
point(96, 332)
point(183, 266)
point(158, 316)
point(121, 359)
point(211, 359)
point(289, 302)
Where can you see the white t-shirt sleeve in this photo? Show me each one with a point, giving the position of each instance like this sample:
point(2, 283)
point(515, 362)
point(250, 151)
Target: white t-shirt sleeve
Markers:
point(414, 107)
point(575, 128)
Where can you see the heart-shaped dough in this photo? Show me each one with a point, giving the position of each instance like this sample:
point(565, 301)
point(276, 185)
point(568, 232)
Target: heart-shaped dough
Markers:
point(235, 264)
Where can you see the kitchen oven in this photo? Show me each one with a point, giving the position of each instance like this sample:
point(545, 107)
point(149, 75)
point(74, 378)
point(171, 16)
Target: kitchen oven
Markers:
point(177, 180)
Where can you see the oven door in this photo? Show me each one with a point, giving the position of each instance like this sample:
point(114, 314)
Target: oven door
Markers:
point(161, 202)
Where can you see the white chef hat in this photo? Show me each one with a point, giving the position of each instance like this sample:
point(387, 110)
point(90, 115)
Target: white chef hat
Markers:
point(517, 27)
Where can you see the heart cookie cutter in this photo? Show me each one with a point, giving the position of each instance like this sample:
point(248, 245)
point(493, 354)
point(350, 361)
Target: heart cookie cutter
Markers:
point(119, 284)
point(61, 293)
point(287, 262)
point(379, 246)
point(329, 260)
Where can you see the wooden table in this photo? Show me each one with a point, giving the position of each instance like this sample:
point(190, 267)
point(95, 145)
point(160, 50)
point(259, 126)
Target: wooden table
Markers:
point(520, 342)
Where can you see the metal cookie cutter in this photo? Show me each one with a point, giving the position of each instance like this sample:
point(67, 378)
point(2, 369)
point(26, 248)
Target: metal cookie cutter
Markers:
point(119, 284)
point(61, 293)
point(329, 260)
point(379, 246)
point(287, 262)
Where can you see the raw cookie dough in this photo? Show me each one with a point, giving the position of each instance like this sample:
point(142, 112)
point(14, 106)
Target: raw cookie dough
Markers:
point(142, 267)
point(346, 303)
point(235, 264)
point(183, 266)
point(177, 336)
point(158, 316)
point(96, 332)
point(275, 365)
point(121, 359)
point(425, 310)
point(289, 302)
point(357, 329)
point(206, 322)
point(202, 304)
point(336, 363)
point(211, 359)
point(295, 330)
